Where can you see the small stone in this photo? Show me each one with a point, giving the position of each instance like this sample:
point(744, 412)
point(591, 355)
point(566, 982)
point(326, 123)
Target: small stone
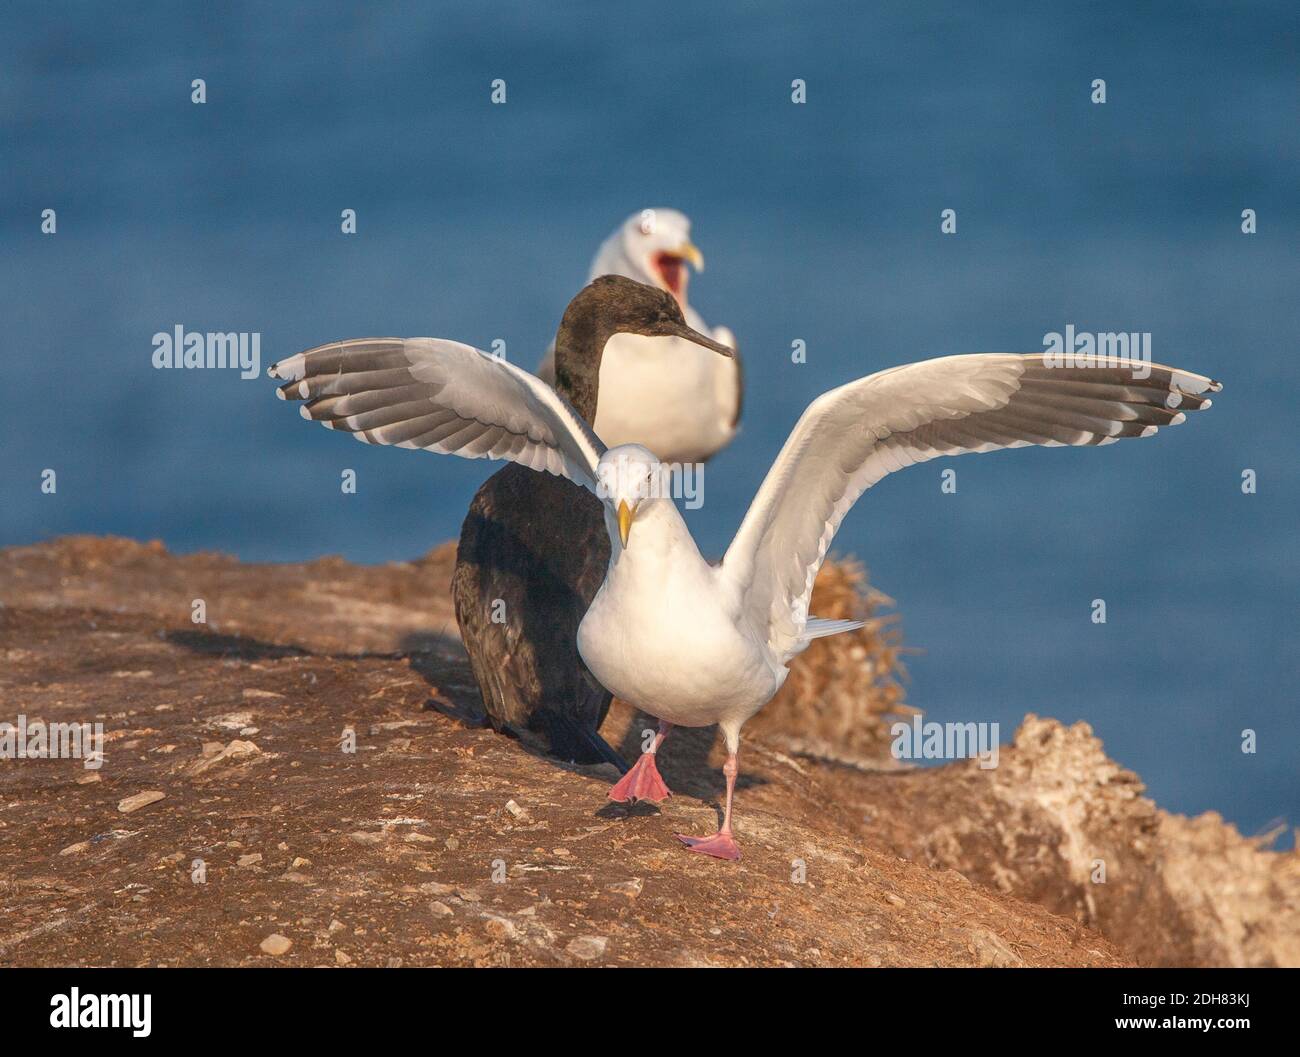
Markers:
point(895, 900)
point(299, 861)
point(439, 908)
point(420, 838)
point(276, 945)
point(231, 720)
point(587, 948)
point(341, 959)
point(366, 837)
point(500, 928)
point(235, 750)
point(437, 888)
point(336, 926)
point(76, 849)
point(451, 843)
point(562, 853)
point(631, 889)
point(469, 895)
point(251, 859)
point(88, 779)
point(139, 800)
point(991, 951)
point(518, 812)
point(251, 694)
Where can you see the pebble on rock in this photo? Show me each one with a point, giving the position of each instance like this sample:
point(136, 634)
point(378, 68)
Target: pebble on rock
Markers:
point(139, 800)
point(276, 945)
point(587, 948)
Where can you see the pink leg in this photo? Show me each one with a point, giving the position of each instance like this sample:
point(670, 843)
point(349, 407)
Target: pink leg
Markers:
point(642, 782)
point(721, 845)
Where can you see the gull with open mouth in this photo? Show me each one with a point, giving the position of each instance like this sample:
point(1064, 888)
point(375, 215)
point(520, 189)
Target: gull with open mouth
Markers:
point(673, 397)
point(694, 643)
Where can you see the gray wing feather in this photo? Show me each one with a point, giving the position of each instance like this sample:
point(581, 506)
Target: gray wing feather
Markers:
point(441, 396)
point(851, 437)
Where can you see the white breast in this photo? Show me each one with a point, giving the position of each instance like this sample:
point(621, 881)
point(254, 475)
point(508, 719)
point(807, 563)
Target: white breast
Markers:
point(662, 633)
point(671, 395)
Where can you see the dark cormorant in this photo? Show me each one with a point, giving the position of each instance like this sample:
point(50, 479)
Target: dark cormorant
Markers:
point(534, 549)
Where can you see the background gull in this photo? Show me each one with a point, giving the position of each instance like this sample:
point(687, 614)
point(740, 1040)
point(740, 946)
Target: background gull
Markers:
point(673, 397)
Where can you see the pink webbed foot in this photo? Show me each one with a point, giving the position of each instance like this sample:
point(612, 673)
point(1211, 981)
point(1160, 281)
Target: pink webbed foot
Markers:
point(720, 845)
point(642, 782)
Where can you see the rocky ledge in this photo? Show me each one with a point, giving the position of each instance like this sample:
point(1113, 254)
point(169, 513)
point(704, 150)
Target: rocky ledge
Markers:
point(303, 777)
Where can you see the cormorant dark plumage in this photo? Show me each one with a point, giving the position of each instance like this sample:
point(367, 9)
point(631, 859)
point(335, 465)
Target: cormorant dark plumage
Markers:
point(534, 548)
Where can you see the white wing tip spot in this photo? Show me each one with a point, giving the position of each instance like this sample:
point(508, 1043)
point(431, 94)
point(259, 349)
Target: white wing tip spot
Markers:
point(1149, 431)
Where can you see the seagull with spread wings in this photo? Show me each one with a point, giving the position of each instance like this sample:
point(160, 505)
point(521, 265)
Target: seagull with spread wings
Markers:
point(694, 643)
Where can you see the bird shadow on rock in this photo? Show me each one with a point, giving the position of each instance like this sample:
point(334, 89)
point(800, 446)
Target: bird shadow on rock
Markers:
point(232, 646)
point(430, 655)
point(456, 695)
point(612, 810)
point(441, 663)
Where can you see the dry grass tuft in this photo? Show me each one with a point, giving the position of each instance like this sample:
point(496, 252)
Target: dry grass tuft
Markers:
point(843, 691)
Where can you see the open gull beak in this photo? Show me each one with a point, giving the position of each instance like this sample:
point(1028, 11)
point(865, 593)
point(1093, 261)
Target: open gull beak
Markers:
point(670, 267)
point(624, 521)
point(690, 252)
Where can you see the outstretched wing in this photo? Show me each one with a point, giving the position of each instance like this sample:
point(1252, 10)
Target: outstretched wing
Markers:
point(441, 396)
point(850, 437)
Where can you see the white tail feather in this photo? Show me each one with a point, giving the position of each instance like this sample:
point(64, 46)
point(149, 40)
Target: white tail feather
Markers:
point(817, 628)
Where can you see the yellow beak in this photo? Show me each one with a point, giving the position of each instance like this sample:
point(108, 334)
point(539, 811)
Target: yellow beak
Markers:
point(690, 252)
point(624, 521)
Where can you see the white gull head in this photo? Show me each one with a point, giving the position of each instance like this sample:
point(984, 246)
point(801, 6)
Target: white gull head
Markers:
point(629, 478)
point(652, 246)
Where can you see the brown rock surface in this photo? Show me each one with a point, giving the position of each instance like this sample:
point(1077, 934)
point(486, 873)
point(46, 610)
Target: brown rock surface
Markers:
point(407, 851)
